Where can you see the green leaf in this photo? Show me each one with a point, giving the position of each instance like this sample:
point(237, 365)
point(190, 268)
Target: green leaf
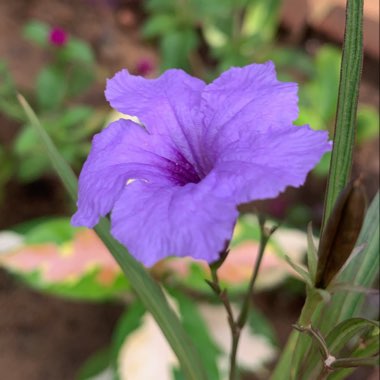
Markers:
point(368, 124)
point(262, 19)
point(79, 78)
point(340, 341)
point(303, 273)
point(319, 96)
point(74, 116)
point(145, 287)
point(95, 365)
point(341, 334)
point(369, 348)
point(37, 32)
point(26, 141)
point(344, 137)
point(77, 51)
point(157, 6)
point(57, 230)
point(159, 25)
point(85, 288)
point(361, 271)
point(291, 58)
point(176, 49)
point(31, 168)
point(8, 104)
point(322, 169)
point(260, 325)
point(50, 88)
point(196, 327)
point(326, 83)
point(128, 322)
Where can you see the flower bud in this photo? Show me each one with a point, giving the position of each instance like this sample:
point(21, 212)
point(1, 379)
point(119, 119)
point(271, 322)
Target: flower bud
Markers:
point(340, 233)
point(58, 37)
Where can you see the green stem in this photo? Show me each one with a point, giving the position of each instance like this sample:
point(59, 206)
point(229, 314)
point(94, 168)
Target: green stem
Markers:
point(312, 301)
point(323, 374)
point(264, 238)
point(235, 331)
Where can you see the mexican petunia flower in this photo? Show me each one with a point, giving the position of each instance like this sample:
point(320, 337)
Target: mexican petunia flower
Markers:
point(173, 184)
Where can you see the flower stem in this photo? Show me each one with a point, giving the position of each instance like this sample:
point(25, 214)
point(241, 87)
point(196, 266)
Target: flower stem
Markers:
point(312, 301)
point(237, 324)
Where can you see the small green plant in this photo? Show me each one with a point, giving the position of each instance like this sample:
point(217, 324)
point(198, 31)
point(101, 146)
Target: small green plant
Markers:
point(194, 34)
point(69, 73)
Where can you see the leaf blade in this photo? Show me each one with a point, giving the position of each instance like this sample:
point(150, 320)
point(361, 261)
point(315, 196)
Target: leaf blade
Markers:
point(143, 284)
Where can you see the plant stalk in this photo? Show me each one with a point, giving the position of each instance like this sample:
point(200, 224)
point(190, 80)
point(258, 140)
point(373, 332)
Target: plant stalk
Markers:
point(237, 324)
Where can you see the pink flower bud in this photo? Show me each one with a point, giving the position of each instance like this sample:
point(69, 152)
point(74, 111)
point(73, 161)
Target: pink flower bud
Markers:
point(58, 37)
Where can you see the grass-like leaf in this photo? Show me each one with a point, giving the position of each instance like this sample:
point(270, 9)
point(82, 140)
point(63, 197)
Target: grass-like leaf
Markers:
point(145, 287)
point(345, 124)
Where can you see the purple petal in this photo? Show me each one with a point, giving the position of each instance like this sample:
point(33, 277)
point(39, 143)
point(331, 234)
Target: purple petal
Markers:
point(166, 105)
point(250, 97)
point(121, 152)
point(157, 221)
point(263, 165)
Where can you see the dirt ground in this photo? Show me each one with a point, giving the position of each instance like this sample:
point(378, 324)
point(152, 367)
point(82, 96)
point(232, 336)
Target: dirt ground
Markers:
point(46, 338)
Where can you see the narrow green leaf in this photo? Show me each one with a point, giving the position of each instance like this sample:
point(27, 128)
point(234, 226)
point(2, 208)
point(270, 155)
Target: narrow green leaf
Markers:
point(361, 271)
point(145, 287)
point(370, 348)
point(355, 362)
point(67, 176)
point(344, 137)
point(284, 364)
point(300, 270)
point(196, 327)
point(341, 334)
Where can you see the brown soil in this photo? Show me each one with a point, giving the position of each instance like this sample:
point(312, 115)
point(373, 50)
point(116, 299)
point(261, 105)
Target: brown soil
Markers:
point(43, 338)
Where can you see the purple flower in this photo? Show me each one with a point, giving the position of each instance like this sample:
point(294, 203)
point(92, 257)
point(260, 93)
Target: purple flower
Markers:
point(173, 184)
point(144, 67)
point(58, 37)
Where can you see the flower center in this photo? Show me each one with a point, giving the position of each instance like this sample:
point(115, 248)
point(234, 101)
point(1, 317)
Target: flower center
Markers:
point(181, 171)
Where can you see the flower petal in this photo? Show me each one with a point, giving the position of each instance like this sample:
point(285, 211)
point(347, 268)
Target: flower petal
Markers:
point(263, 165)
point(167, 105)
point(122, 151)
point(250, 97)
point(154, 222)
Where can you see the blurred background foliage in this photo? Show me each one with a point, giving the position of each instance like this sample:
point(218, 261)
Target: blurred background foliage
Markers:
point(204, 38)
